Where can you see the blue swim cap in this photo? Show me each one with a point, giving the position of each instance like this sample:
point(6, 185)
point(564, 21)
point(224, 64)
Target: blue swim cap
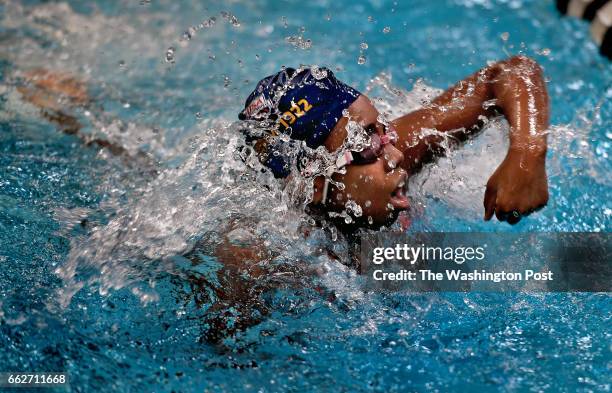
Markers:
point(304, 104)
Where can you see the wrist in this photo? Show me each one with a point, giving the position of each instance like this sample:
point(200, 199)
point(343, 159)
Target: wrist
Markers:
point(530, 152)
point(527, 161)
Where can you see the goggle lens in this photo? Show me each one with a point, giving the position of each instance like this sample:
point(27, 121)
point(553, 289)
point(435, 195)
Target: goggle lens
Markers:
point(376, 148)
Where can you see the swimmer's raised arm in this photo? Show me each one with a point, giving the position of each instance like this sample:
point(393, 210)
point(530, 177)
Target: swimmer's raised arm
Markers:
point(516, 87)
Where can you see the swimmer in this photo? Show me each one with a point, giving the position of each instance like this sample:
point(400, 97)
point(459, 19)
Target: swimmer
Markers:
point(312, 111)
point(314, 108)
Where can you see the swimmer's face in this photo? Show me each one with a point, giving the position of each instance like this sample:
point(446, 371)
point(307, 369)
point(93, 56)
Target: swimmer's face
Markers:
point(376, 187)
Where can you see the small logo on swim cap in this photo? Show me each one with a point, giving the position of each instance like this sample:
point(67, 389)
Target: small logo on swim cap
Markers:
point(256, 106)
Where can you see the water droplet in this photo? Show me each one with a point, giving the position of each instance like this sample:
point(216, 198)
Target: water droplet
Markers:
point(318, 73)
point(386, 30)
point(364, 46)
point(353, 208)
point(299, 42)
point(370, 220)
point(504, 36)
point(189, 34)
point(208, 23)
point(170, 55)
point(121, 63)
point(328, 17)
point(199, 115)
point(257, 57)
point(226, 81)
point(230, 18)
point(370, 19)
point(368, 203)
point(361, 59)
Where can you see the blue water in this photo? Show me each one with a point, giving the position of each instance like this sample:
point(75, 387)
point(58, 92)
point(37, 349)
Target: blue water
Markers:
point(131, 315)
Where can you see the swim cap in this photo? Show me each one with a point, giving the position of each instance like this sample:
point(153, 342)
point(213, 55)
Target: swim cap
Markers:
point(304, 104)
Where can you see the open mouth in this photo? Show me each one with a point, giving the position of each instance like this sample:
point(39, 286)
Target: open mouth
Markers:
point(399, 200)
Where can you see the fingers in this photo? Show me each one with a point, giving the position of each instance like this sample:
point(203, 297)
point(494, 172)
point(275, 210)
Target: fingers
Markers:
point(512, 206)
point(503, 213)
point(512, 217)
point(500, 214)
point(489, 202)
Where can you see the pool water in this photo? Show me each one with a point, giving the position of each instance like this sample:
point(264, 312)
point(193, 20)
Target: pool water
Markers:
point(108, 261)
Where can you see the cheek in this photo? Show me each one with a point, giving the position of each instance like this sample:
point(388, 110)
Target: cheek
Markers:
point(365, 186)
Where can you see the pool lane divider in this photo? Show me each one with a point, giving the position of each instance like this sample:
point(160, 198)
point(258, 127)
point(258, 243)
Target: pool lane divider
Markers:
point(599, 13)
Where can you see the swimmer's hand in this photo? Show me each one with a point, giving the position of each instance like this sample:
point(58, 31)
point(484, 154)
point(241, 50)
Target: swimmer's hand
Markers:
point(518, 187)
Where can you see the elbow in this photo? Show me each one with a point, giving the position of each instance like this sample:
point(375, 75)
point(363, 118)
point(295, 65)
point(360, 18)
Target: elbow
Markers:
point(524, 64)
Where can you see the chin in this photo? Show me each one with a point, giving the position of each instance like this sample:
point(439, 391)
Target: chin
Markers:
point(362, 222)
point(390, 220)
point(380, 222)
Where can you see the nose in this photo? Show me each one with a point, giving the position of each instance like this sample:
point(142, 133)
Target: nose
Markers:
point(393, 157)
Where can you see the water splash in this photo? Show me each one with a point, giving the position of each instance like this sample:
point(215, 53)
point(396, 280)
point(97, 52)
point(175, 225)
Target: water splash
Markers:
point(355, 321)
point(170, 55)
point(170, 214)
point(299, 42)
point(141, 238)
point(230, 18)
point(192, 31)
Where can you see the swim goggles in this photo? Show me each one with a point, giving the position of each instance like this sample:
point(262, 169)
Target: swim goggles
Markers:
point(366, 156)
point(372, 152)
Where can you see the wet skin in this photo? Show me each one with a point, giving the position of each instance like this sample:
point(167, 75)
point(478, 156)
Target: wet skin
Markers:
point(376, 187)
point(518, 187)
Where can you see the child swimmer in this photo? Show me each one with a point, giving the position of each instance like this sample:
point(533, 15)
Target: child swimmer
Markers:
point(313, 109)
